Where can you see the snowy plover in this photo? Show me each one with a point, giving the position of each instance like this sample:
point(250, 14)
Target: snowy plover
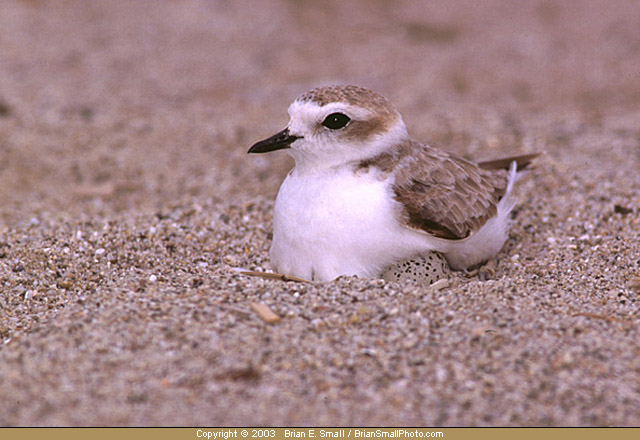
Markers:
point(363, 195)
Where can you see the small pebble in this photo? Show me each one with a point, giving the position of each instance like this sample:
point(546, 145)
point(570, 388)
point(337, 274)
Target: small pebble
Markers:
point(440, 284)
point(265, 313)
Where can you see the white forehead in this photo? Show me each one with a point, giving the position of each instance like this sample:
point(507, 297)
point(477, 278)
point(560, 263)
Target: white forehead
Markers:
point(308, 113)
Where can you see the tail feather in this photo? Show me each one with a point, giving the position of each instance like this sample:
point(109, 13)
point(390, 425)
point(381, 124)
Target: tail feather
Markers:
point(503, 164)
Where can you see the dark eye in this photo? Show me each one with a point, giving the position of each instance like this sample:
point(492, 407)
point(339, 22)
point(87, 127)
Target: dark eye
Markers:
point(336, 120)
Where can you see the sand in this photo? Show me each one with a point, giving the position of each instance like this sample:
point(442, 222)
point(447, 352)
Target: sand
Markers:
point(127, 197)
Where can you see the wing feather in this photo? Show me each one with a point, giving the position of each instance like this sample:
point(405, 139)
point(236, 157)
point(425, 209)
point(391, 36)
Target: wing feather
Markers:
point(443, 194)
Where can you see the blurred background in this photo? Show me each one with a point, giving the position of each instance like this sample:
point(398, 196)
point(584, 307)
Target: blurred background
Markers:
point(112, 106)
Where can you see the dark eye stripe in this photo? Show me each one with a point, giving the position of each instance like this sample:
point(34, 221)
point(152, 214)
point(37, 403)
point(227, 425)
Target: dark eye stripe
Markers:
point(336, 121)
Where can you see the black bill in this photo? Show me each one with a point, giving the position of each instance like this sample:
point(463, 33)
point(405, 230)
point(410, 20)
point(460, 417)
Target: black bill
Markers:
point(276, 142)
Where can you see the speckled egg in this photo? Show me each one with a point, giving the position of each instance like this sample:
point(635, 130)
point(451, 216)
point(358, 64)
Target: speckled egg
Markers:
point(426, 269)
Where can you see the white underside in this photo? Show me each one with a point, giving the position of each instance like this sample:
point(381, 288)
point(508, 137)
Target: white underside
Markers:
point(335, 222)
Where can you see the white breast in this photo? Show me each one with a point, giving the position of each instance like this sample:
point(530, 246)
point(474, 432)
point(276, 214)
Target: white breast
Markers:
point(335, 222)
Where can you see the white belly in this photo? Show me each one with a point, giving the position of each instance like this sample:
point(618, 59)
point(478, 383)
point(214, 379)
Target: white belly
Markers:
point(338, 223)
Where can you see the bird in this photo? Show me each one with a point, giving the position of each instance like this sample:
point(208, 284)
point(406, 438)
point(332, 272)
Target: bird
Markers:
point(363, 196)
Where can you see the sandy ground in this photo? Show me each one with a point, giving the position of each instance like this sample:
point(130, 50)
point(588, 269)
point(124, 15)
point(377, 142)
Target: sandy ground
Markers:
point(126, 195)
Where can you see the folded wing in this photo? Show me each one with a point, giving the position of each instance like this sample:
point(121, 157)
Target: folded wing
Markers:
point(445, 195)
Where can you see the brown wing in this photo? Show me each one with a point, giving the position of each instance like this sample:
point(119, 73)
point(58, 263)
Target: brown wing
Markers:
point(444, 194)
